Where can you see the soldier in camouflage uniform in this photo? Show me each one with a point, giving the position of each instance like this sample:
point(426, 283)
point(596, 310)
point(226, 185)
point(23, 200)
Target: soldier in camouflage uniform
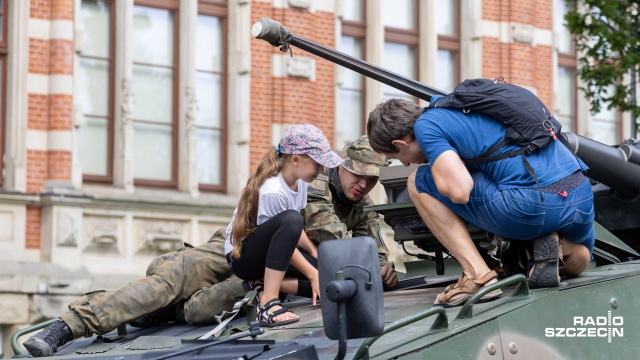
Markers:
point(190, 285)
point(193, 285)
point(336, 198)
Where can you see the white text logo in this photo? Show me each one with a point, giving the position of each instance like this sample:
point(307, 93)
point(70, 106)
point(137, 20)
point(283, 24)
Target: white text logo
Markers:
point(590, 326)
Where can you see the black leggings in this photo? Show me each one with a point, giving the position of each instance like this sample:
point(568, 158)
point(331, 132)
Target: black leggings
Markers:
point(304, 285)
point(270, 245)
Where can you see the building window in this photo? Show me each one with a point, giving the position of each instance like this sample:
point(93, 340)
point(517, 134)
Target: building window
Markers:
point(400, 14)
point(605, 126)
point(447, 23)
point(95, 90)
point(154, 83)
point(3, 81)
point(351, 119)
point(210, 90)
point(566, 108)
point(155, 70)
point(565, 42)
point(400, 53)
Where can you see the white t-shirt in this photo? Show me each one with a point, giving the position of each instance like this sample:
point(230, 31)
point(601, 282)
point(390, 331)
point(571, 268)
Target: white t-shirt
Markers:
point(275, 197)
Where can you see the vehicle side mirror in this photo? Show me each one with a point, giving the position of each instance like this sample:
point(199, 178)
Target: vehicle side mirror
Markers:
point(351, 289)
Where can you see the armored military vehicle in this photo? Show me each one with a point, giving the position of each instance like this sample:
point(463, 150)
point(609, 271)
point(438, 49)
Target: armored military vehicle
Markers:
point(593, 316)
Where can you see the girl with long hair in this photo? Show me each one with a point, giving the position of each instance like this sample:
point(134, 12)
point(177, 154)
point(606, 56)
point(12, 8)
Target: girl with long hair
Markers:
point(267, 226)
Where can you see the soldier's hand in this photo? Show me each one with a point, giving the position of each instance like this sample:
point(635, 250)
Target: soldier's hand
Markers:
point(389, 276)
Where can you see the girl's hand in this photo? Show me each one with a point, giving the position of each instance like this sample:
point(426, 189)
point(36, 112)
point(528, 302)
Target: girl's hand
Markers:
point(315, 287)
point(311, 273)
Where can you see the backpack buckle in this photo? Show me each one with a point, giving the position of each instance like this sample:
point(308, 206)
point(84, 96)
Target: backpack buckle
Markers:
point(529, 149)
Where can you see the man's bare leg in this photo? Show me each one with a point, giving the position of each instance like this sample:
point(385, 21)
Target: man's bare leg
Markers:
point(450, 230)
point(577, 258)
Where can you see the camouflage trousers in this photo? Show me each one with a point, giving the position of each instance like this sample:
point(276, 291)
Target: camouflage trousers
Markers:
point(197, 278)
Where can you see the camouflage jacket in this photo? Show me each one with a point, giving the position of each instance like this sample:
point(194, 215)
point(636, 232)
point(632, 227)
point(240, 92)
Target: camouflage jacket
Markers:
point(325, 218)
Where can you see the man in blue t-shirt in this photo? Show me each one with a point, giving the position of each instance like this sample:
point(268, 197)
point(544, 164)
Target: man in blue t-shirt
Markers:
point(500, 197)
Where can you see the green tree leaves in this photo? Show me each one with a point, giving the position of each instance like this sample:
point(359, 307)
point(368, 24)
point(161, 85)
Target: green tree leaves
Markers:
point(608, 48)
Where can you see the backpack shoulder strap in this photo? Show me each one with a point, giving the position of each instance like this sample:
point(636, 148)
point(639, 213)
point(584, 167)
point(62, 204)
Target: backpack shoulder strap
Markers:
point(486, 156)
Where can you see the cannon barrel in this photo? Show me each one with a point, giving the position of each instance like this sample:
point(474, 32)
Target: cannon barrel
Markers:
point(632, 153)
point(607, 164)
point(278, 35)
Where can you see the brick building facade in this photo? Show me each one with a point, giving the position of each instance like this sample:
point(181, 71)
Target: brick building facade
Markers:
point(130, 126)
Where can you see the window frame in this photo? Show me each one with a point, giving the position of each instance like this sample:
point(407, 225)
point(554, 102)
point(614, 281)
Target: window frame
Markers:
point(217, 8)
point(220, 10)
point(172, 6)
point(358, 30)
point(4, 49)
point(107, 179)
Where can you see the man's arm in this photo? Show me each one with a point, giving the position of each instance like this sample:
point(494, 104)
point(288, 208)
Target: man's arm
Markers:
point(369, 225)
point(320, 220)
point(371, 228)
point(452, 177)
point(449, 172)
point(307, 245)
point(321, 223)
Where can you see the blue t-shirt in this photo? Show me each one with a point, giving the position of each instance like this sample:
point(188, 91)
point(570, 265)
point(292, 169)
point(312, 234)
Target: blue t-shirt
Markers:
point(471, 135)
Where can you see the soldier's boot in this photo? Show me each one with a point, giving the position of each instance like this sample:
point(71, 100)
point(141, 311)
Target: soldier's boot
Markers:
point(180, 313)
point(160, 316)
point(47, 342)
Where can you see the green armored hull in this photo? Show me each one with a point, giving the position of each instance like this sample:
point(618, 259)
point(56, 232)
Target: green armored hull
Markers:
point(591, 317)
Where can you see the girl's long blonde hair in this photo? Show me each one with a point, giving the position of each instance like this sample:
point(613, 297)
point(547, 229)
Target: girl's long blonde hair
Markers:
point(246, 216)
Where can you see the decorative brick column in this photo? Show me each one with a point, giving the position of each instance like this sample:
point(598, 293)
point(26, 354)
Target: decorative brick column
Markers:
point(60, 125)
point(50, 97)
point(517, 44)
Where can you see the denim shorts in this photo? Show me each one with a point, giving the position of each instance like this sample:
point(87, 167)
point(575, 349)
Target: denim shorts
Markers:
point(519, 213)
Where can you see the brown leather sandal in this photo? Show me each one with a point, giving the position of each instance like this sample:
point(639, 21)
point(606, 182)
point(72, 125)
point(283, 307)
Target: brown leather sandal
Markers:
point(467, 287)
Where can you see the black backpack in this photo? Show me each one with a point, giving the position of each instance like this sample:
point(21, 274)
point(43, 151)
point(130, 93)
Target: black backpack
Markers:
point(531, 125)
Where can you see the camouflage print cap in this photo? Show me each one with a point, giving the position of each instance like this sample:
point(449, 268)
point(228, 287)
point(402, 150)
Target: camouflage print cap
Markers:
point(306, 139)
point(360, 158)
